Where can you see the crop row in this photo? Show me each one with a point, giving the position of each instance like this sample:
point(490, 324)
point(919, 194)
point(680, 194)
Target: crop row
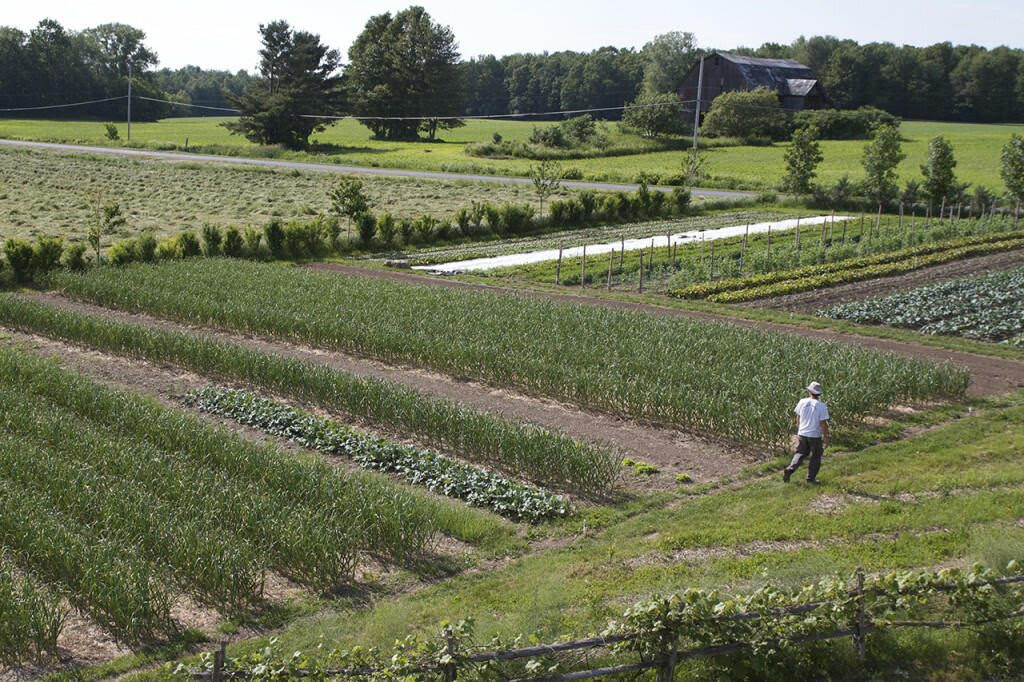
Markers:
point(709, 289)
point(31, 618)
point(988, 307)
point(440, 474)
point(716, 378)
point(520, 449)
point(859, 274)
point(122, 517)
point(814, 249)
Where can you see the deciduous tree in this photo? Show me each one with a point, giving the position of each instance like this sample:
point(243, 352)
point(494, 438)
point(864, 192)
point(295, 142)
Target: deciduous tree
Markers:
point(939, 179)
point(881, 156)
point(403, 75)
point(655, 115)
point(1013, 166)
point(802, 159)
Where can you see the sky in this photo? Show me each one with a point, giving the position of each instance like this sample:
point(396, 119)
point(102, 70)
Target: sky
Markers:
point(223, 35)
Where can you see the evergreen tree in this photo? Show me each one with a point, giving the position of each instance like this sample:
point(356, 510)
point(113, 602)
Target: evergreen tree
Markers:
point(297, 79)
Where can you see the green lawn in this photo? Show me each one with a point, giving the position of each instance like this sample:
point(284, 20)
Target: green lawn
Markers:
point(977, 148)
point(949, 496)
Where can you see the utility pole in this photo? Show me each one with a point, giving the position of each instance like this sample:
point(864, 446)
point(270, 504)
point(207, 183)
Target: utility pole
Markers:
point(129, 101)
point(696, 115)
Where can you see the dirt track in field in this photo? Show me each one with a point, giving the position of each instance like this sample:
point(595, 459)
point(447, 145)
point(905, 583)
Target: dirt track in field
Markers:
point(671, 450)
point(989, 375)
point(811, 301)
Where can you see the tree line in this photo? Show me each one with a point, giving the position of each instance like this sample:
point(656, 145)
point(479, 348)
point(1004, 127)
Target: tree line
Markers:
point(404, 64)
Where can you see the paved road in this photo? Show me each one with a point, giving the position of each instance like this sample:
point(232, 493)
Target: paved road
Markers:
point(334, 168)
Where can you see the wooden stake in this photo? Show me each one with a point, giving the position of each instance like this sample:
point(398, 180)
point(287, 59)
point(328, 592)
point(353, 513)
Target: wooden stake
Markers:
point(611, 259)
point(641, 271)
point(583, 268)
point(558, 266)
point(622, 252)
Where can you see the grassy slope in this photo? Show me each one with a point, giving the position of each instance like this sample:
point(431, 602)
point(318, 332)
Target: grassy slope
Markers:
point(977, 147)
point(950, 495)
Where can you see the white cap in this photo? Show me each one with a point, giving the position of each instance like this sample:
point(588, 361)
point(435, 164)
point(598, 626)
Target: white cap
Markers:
point(814, 387)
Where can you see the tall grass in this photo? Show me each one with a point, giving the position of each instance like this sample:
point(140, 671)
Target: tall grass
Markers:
point(714, 378)
point(539, 455)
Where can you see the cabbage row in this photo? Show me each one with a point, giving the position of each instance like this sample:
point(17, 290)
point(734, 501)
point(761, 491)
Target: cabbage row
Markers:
point(987, 307)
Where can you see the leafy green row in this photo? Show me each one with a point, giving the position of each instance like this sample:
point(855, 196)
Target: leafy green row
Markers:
point(989, 307)
point(31, 618)
point(716, 378)
point(708, 289)
point(844, 276)
point(536, 454)
point(438, 473)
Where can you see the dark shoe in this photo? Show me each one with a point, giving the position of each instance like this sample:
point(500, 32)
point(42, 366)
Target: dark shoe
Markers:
point(786, 473)
point(811, 481)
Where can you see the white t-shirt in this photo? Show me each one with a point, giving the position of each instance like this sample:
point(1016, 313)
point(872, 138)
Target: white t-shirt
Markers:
point(811, 412)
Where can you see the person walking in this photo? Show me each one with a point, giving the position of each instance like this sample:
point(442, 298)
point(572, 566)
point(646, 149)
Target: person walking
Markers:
point(812, 433)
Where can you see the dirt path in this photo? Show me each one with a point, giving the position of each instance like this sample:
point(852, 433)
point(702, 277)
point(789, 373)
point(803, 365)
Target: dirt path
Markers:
point(989, 375)
point(352, 170)
point(810, 301)
point(672, 451)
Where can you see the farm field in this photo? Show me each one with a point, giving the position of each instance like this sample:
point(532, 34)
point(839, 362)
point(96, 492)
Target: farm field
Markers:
point(707, 270)
point(179, 524)
point(408, 324)
point(977, 147)
point(53, 194)
point(937, 484)
point(987, 307)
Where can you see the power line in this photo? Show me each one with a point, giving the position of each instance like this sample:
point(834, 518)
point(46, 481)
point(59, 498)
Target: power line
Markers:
point(64, 106)
point(188, 104)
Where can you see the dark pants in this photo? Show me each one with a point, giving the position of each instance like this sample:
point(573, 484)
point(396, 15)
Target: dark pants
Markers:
point(812, 447)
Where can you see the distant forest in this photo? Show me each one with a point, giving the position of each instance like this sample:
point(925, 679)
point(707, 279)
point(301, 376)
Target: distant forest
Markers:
point(51, 65)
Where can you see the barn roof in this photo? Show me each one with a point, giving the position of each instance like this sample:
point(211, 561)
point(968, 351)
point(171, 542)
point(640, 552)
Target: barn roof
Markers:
point(786, 76)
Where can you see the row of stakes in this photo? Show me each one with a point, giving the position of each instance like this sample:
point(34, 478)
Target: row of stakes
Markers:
point(953, 213)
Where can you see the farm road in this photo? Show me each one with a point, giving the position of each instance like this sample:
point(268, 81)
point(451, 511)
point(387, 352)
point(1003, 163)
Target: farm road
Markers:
point(989, 375)
point(671, 450)
point(350, 170)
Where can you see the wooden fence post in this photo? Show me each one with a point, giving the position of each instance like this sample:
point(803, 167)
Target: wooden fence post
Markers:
point(558, 266)
point(218, 662)
point(641, 271)
point(769, 245)
point(611, 259)
point(583, 269)
point(450, 669)
point(861, 628)
point(622, 249)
